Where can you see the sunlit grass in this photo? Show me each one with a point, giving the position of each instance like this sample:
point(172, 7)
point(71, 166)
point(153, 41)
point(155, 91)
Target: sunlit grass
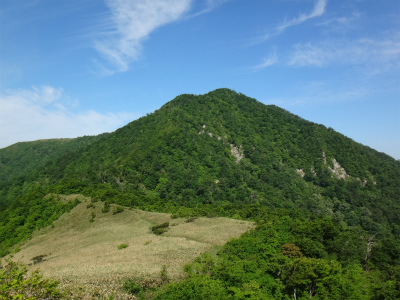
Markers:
point(79, 252)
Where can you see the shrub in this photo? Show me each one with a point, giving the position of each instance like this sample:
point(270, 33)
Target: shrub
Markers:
point(160, 229)
point(15, 283)
point(196, 288)
point(131, 286)
point(106, 208)
point(38, 259)
point(122, 246)
point(164, 274)
point(117, 210)
point(93, 215)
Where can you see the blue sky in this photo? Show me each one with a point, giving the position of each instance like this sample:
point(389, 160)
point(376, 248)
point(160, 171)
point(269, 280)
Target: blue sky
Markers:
point(73, 68)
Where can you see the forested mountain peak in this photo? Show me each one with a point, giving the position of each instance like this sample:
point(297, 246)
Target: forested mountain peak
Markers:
point(313, 192)
point(224, 147)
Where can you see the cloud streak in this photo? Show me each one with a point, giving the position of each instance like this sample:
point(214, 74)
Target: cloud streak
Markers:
point(129, 24)
point(267, 62)
point(379, 54)
point(318, 10)
point(40, 113)
point(341, 21)
point(209, 6)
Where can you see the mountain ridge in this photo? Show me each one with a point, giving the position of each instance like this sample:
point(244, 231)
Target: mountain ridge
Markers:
point(23, 157)
point(325, 206)
point(187, 154)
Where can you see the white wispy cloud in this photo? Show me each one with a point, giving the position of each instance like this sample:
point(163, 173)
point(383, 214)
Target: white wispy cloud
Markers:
point(266, 62)
point(345, 21)
point(41, 113)
point(209, 6)
point(379, 55)
point(129, 24)
point(318, 10)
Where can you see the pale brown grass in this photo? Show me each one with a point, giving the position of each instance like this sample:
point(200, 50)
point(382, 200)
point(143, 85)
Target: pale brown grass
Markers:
point(80, 251)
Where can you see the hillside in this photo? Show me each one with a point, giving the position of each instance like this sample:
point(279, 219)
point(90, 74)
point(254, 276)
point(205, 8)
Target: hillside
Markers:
point(22, 158)
point(334, 201)
point(221, 148)
point(77, 250)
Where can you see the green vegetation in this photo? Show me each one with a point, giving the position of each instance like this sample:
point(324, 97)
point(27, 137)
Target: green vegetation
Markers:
point(326, 207)
point(160, 229)
point(118, 209)
point(330, 262)
point(132, 287)
point(29, 212)
point(181, 155)
point(79, 253)
point(20, 159)
point(106, 207)
point(190, 220)
point(92, 216)
point(164, 274)
point(16, 283)
point(123, 246)
point(39, 258)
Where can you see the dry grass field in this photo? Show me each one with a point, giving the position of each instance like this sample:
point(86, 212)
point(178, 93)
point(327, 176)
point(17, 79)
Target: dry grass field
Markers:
point(82, 253)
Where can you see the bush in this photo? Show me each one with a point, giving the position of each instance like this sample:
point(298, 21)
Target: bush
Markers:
point(38, 259)
point(132, 287)
point(160, 229)
point(92, 216)
point(196, 288)
point(106, 208)
point(122, 246)
point(164, 274)
point(117, 210)
point(15, 283)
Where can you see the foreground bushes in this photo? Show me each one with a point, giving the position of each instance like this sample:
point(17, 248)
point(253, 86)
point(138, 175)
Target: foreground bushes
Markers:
point(290, 256)
point(15, 283)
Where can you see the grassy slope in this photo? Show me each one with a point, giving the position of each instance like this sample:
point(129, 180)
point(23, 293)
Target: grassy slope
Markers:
point(80, 251)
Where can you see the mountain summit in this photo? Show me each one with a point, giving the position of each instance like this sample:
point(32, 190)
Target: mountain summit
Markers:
point(326, 208)
point(226, 148)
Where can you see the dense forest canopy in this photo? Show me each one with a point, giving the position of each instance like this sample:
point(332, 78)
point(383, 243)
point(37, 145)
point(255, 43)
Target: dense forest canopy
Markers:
point(225, 154)
point(22, 158)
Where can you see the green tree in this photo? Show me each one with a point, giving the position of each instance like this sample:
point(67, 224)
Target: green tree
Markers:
point(16, 283)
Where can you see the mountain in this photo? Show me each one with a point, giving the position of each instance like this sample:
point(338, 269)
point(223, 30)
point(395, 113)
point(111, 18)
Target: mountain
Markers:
point(221, 148)
point(312, 191)
point(22, 158)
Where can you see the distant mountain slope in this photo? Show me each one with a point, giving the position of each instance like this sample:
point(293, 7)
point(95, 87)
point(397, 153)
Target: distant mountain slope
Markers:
point(22, 158)
point(225, 148)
